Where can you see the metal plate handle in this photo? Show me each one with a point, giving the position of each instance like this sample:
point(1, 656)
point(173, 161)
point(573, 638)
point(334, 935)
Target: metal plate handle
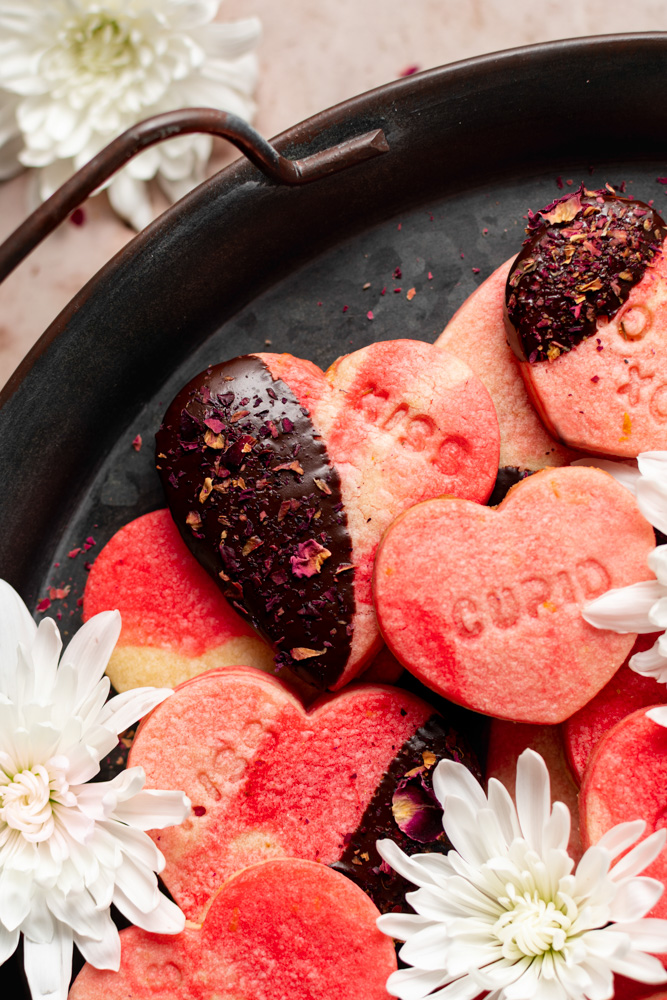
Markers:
point(165, 126)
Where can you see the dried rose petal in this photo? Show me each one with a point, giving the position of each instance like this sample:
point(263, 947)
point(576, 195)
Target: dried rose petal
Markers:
point(309, 558)
point(303, 653)
point(416, 810)
point(564, 210)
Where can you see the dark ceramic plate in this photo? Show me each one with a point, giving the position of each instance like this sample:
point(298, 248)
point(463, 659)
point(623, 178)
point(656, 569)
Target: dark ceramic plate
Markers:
point(243, 263)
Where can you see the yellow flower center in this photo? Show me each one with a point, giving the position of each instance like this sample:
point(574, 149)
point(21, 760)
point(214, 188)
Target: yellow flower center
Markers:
point(98, 43)
point(531, 926)
point(25, 803)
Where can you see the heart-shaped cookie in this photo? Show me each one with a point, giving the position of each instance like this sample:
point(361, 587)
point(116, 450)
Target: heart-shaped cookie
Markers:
point(281, 480)
point(587, 311)
point(476, 334)
point(484, 605)
point(175, 623)
point(268, 779)
point(625, 781)
point(281, 930)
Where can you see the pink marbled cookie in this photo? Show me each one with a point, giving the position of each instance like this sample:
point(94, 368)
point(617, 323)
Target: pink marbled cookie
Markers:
point(282, 478)
point(281, 930)
point(266, 778)
point(484, 605)
point(609, 394)
point(587, 316)
point(175, 622)
point(477, 334)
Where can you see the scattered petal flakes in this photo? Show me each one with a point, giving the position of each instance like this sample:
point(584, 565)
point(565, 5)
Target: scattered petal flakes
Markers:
point(216, 441)
point(253, 543)
point(206, 490)
point(303, 653)
point(290, 467)
point(136, 444)
point(193, 520)
point(308, 558)
point(411, 294)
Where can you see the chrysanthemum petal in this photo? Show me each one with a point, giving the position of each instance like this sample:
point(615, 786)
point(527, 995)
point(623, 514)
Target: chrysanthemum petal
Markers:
point(16, 626)
point(154, 810)
point(640, 966)
point(658, 715)
point(502, 804)
point(401, 863)
point(657, 561)
point(103, 953)
point(46, 649)
point(48, 967)
point(649, 934)
point(130, 200)
point(90, 649)
point(625, 473)
point(652, 502)
point(138, 883)
point(425, 947)
point(452, 778)
point(229, 41)
point(413, 984)
point(650, 663)
point(165, 918)
point(618, 838)
point(15, 901)
point(639, 857)
point(125, 709)
point(625, 609)
point(634, 898)
point(401, 926)
point(8, 943)
point(653, 465)
point(533, 801)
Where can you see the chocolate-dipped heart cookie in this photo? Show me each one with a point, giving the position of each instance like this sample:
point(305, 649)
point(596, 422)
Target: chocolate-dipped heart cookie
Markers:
point(587, 317)
point(268, 778)
point(281, 480)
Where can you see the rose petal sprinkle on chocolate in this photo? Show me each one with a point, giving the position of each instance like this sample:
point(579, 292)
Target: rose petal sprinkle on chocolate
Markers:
point(584, 254)
point(416, 810)
point(308, 558)
point(303, 653)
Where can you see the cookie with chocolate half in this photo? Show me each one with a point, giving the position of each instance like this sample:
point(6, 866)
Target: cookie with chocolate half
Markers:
point(586, 307)
point(477, 334)
point(281, 479)
point(268, 778)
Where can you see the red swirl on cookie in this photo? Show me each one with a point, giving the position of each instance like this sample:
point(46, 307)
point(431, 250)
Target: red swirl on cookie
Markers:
point(281, 480)
point(268, 778)
point(281, 930)
point(587, 316)
point(484, 605)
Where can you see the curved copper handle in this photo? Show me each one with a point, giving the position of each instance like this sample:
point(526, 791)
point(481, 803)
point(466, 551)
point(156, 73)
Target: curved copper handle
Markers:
point(172, 123)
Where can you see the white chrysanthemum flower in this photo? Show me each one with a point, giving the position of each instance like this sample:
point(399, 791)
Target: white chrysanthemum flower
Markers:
point(641, 607)
point(506, 912)
point(74, 74)
point(69, 848)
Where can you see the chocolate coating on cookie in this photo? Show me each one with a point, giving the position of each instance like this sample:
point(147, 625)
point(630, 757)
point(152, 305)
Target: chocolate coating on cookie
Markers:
point(413, 764)
point(584, 254)
point(256, 499)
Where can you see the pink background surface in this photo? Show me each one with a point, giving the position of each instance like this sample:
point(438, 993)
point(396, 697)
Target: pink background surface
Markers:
point(313, 54)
